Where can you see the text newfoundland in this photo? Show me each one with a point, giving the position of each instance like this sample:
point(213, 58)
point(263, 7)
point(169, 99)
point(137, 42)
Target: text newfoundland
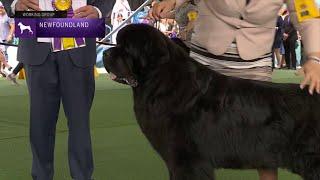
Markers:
point(64, 25)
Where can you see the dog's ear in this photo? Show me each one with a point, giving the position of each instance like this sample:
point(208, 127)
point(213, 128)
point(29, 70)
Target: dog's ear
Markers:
point(147, 46)
point(159, 51)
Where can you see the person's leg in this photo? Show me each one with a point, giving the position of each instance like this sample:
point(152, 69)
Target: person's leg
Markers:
point(268, 174)
point(293, 54)
point(282, 62)
point(1, 73)
point(2, 57)
point(43, 85)
point(282, 53)
point(303, 55)
point(298, 53)
point(273, 59)
point(77, 88)
point(287, 53)
point(3, 60)
point(278, 56)
point(12, 77)
point(18, 68)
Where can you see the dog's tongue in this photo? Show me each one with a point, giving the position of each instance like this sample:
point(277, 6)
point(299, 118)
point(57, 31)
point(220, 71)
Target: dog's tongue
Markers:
point(113, 76)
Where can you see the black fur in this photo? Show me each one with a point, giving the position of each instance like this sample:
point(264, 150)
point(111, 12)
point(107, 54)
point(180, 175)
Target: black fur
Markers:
point(199, 120)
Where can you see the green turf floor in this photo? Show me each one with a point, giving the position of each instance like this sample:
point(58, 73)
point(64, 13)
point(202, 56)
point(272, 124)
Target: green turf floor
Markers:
point(121, 152)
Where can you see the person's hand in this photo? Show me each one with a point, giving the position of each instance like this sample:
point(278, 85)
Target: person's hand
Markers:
point(162, 9)
point(285, 36)
point(311, 72)
point(86, 12)
point(27, 5)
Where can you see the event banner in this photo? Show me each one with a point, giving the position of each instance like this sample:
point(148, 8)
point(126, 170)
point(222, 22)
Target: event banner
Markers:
point(59, 27)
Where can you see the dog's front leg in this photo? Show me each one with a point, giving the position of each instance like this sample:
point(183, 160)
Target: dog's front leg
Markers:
point(192, 172)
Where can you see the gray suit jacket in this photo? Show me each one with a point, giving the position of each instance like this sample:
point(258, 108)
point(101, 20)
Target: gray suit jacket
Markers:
point(33, 53)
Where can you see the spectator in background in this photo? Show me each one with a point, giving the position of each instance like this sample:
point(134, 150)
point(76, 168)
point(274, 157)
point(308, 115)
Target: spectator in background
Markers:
point(120, 12)
point(141, 17)
point(6, 25)
point(119, 18)
point(186, 15)
point(116, 22)
point(6, 35)
point(298, 51)
point(282, 50)
point(278, 40)
point(290, 38)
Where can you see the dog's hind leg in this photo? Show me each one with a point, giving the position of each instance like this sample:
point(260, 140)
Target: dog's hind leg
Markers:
point(192, 172)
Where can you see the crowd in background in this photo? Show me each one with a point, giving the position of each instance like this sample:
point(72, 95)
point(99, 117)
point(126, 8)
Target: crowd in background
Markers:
point(179, 25)
point(287, 44)
point(288, 51)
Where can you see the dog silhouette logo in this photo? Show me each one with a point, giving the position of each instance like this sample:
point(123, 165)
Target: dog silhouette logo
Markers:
point(23, 27)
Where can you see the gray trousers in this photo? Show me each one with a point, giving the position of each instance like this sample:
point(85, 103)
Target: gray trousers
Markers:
point(59, 80)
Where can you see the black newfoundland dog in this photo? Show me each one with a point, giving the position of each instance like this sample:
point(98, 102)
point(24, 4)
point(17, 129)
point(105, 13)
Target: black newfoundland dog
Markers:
point(199, 120)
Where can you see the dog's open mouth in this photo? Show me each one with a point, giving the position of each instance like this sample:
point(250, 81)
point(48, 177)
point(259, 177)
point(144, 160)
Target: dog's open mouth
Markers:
point(128, 81)
point(112, 76)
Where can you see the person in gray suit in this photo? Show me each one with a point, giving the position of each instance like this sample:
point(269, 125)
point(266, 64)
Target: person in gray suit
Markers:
point(53, 77)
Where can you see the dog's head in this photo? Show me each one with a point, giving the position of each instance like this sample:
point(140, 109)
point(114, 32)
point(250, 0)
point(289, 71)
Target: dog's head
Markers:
point(140, 49)
point(119, 65)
